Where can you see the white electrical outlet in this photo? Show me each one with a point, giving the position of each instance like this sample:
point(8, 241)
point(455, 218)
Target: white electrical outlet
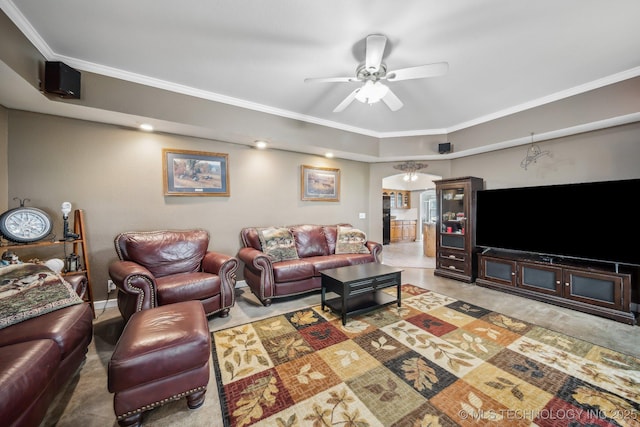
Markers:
point(110, 286)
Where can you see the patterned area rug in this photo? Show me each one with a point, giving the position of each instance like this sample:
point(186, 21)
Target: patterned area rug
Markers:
point(436, 361)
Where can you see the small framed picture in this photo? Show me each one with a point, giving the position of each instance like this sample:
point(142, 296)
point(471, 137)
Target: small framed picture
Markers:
point(195, 173)
point(320, 184)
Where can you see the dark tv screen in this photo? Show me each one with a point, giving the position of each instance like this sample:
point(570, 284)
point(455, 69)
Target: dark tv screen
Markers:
point(594, 221)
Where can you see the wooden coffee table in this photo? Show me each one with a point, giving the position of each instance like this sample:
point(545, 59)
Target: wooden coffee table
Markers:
point(359, 288)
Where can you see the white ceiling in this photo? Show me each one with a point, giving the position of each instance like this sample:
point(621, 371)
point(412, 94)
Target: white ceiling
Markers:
point(504, 56)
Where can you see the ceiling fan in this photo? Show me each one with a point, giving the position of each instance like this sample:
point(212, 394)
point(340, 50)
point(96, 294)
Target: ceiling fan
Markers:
point(373, 72)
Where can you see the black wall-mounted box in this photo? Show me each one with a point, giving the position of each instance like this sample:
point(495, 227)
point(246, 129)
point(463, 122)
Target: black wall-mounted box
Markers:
point(62, 80)
point(444, 148)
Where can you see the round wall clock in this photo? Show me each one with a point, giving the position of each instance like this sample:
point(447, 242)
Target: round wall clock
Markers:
point(25, 225)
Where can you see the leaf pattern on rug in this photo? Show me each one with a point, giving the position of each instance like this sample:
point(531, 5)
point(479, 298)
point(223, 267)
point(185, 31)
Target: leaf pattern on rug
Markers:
point(303, 318)
point(387, 394)
point(291, 347)
point(469, 343)
point(250, 405)
point(558, 340)
point(356, 326)
point(531, 367)
point(628, 387)
point(611, 406)
point(337, 413)
point(429, 301)
point(419, 373)
point(468, 308)
point(347, 357)
point(507, 322)
point(416, 367)
point(592, 371)
point(551, 356)
point(602, 375)
point(502, 383)
point(415, 336)
point(305, 375)
point(494, 334)
point(619, 361)
point(381, 344)
point(273, 326)
point(242, 351)
point(473, 408)
point(428, 420)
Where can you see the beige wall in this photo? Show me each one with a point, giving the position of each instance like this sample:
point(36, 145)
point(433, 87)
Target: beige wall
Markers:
point(602, 155)
point(115, 176)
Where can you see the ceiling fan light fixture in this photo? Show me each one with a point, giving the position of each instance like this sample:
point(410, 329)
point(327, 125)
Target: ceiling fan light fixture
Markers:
point(372, 92)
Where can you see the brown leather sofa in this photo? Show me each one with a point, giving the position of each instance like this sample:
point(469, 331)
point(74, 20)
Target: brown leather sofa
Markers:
point(167, 266)
point(315, 247)
point(39, 356)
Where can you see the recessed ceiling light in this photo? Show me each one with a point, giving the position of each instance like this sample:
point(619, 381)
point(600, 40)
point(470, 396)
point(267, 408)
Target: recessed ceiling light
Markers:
point(146, 126)
point(329, 155)
point(261, 145)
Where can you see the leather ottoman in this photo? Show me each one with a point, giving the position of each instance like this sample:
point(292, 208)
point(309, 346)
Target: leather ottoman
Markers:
point(162, 355)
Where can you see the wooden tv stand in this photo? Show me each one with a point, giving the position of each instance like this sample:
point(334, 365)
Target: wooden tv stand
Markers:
point(590, 288)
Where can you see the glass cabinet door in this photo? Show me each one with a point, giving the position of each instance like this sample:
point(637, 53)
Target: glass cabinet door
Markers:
point(452, 211)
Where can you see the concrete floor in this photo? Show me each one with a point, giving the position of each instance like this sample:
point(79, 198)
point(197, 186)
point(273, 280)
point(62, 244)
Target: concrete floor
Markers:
point(87, 401)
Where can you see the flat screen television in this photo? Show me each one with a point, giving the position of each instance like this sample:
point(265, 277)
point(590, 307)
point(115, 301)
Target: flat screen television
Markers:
point(595, 221)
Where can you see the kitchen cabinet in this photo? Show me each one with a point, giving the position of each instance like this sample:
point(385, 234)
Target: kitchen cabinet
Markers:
point(400, 199)
point(403, 230)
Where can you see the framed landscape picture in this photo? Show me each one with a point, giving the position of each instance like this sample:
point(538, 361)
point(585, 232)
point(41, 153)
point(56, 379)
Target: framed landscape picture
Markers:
point(320, 184)
point(195, 173)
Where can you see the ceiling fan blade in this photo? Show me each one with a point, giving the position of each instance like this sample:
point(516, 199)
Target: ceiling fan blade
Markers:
point(346, 102)
point(419, 72)
point(392, 101)
point(330, 79)
point(374, 52)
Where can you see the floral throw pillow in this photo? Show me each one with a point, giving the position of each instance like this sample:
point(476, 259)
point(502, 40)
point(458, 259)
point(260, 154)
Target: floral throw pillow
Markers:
point(351, 241)
point(278, 243)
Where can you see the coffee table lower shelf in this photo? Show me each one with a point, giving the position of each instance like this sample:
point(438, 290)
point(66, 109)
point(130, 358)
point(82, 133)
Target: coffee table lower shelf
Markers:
point(360, 303)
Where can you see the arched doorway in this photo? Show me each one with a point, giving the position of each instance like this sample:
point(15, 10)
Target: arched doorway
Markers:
point(419, 208)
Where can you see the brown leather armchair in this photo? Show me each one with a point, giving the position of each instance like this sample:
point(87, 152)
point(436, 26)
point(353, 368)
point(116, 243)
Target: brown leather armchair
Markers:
point(157, 268)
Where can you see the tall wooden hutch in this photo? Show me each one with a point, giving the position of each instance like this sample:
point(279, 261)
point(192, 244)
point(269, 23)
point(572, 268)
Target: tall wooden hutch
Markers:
point(456, 253)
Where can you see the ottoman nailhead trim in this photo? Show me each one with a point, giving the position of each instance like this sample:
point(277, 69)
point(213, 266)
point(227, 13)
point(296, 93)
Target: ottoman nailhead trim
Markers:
point(160, 402)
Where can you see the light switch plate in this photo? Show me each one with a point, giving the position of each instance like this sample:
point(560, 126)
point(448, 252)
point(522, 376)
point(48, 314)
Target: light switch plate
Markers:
point(363, 215)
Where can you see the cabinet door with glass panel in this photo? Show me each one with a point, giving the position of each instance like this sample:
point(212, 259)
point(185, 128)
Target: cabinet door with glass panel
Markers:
point(455, 244)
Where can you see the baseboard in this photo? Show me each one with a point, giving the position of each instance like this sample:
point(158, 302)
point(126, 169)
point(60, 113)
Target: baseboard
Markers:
point(101, 305)
point(109, 303)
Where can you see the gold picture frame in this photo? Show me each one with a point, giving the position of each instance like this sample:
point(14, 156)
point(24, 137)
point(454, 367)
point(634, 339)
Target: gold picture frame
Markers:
point(319, 184)
point(195, 173)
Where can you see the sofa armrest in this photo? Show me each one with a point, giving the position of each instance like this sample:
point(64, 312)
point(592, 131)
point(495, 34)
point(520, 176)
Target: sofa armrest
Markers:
point(376, 249)
point(258, 273)
point(78, 283)
point(225, 267)
point(219, 263)
point(255, 260)
point(135, 280)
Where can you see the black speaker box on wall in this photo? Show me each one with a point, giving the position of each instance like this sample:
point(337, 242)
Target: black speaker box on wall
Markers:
point(444, 148)
point(61, 79)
